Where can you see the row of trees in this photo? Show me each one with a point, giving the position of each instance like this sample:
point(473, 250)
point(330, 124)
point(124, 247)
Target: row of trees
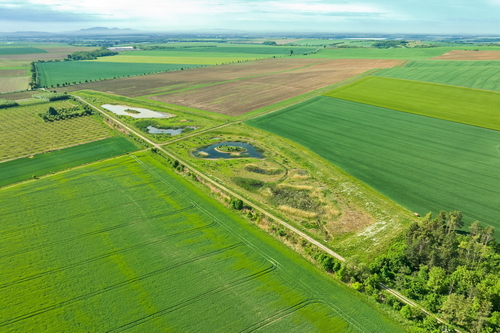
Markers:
point(90, 55)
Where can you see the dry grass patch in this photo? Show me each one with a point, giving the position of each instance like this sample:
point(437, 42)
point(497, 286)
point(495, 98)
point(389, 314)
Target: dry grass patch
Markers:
point(469, 55)
point(298, 212)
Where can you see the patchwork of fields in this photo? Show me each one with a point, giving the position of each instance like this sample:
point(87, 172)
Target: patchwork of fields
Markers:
point(472, 74)
point(468, 106)
point(127, 245)
point(23, 132)
point(423, 163)
point(469, 55)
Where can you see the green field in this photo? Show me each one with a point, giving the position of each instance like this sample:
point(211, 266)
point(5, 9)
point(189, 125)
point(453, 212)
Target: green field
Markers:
point(19, 50)
point(72, 72)
point(483, 74)
point(23, 132)
point(423, 163)
point(395, 53)
point(24, 168)
point(468, 106)
point(126, 245)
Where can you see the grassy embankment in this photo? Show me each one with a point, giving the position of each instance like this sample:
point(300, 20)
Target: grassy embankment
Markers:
point(425, 164)
point(130, 245)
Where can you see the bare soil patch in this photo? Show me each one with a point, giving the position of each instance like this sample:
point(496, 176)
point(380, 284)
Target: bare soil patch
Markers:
point(469, 55)
point(12, 72)
point(239, 97)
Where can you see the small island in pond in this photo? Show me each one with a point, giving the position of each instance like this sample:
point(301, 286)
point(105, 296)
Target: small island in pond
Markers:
point(230, 149)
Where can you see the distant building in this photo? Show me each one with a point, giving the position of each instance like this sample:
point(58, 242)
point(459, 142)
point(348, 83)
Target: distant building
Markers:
point(121, 48)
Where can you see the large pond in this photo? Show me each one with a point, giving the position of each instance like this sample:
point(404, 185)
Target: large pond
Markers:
point(171, 131)
point(142, 113)
point(212, 152)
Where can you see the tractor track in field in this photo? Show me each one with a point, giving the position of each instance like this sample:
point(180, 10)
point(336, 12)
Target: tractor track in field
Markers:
point(213, 182)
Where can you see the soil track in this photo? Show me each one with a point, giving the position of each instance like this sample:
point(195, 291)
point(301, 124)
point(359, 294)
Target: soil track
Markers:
point(469, 55)
point(239, 97)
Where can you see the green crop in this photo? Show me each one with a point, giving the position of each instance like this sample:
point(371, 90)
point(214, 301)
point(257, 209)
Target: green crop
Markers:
point(423, 163)
point(28, 167)
point(464, 105)
point(128, 245)
point(72, 72)
point(482, 74)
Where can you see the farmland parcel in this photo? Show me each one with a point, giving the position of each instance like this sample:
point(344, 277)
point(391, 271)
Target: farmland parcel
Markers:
point(143, 251)
point(468, 106)
point(472, 74)
point(23, 132)
point(423, 163)
point(261, 91)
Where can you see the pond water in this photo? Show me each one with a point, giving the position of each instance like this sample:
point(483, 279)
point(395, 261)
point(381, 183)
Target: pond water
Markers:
point(251, 151)
point(171, 131)
point(143, 113)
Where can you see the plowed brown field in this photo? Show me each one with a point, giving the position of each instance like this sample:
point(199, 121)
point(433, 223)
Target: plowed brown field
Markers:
point(469, 55)
point(241, 96)
point(165, 82)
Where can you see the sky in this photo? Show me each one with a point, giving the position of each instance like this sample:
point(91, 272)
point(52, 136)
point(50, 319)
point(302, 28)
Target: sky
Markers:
point(363, 16)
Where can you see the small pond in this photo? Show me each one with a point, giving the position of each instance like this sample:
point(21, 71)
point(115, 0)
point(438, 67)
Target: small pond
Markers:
point(251, 151)
point(142, 113)
point(171, 131)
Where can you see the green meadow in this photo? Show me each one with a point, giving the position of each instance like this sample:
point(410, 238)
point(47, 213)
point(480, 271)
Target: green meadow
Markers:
point(38, 165)
point(481, 74)
point(423, 163)
point(52, 74)
point(464, 105)
point(126, 245)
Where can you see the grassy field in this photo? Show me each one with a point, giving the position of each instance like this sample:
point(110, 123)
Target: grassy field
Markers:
point(423, 163)
point(127, 245)
point(468, 106)
point(396, 53)
point(484, 74)
point(24, 168)
point(23, 132)
point(72, 72)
